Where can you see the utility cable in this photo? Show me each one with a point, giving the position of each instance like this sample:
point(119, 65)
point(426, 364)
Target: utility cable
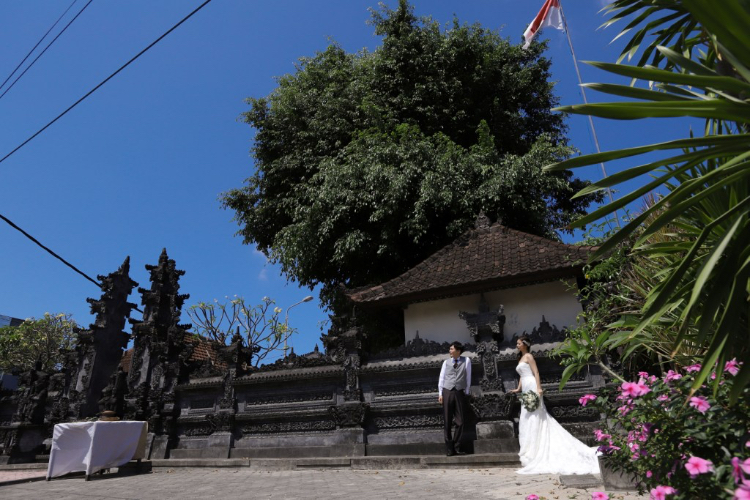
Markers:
point(37, 45)
point(45, 50)
point(105, 80)
point(74, 268)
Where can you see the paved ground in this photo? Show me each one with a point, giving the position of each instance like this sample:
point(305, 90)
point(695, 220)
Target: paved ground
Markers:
point(195, 483)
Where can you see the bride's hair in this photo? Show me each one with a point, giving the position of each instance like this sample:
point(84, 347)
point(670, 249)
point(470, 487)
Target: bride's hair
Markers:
point(525, 340)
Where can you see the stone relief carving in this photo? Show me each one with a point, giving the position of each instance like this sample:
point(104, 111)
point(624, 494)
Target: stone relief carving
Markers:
point(485, 324)
point(401, 390)
point(288, 398)
point(574, 412)
point(408, 421)
point(543, 334)
point(349, 414)
point(492, 406)
point(287, 427)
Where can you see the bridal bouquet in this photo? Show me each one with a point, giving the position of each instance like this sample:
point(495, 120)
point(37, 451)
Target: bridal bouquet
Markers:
point(529, 400)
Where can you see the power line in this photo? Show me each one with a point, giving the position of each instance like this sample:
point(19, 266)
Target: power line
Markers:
point(106, 80)
point(37, 45)
point(74, 268)
point(45, 49)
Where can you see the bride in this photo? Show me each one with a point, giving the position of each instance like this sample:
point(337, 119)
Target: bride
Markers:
point(546, 447)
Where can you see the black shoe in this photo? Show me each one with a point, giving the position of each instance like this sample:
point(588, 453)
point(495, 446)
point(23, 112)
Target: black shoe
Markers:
point(460, 452)
point(450, 453)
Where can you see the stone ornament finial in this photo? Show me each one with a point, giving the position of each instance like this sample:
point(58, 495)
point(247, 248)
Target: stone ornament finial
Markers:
point(482, 222)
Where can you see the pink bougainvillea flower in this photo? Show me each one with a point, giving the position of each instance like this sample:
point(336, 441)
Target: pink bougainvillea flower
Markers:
point(601, 436)
point(598, 495)
point(632, 389)
point(693, 368)
point(732, 366)
point(742, 493)
point(584, 400)
point(661, 492)
point(699, 404)
point(736, 471)
point(532, 497)
point(672, 375)
point(697, 465)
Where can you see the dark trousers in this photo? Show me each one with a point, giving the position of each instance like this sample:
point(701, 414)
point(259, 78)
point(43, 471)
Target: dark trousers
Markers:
point(454, 407)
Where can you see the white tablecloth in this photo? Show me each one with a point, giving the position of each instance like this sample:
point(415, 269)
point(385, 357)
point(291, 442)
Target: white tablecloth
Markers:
point(92, 446)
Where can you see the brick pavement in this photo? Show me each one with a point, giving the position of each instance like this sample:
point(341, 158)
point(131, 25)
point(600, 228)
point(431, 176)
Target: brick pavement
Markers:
point(201, 483)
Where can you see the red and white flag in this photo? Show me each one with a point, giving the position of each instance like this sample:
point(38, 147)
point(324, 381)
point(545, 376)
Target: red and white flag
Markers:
point(549, 16)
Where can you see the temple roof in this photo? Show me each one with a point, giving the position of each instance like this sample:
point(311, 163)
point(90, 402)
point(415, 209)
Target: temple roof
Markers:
point(482, 259)
point(203, 349)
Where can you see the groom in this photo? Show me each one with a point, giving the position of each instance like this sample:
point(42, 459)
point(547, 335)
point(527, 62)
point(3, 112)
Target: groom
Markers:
point(453, 387)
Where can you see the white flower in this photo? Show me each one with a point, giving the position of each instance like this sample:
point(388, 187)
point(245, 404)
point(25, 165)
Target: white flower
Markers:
point(277, 310)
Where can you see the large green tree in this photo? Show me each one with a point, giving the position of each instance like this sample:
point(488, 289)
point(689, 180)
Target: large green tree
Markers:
point(367, 163)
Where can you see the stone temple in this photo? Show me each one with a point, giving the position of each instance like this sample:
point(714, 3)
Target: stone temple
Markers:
point(356, 397)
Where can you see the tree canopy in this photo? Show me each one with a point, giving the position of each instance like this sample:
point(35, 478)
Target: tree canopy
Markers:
point(43, 340)
point(368, 162)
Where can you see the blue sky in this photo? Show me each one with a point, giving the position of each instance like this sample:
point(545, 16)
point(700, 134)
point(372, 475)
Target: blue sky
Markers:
point(140, 164)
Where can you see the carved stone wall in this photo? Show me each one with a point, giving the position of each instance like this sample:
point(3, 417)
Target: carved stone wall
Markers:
point(344, 402)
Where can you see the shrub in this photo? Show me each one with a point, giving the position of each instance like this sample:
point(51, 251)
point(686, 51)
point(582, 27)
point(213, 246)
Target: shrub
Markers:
point(678, 443)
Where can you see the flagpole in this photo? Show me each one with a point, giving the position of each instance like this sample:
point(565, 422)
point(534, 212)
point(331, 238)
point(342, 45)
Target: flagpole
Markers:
point(585, 101)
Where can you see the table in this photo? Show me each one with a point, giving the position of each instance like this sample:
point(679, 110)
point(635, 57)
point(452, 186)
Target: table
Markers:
point(92, 446)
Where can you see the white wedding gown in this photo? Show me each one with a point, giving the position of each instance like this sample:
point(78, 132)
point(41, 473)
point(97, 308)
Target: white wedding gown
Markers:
point(546, 447)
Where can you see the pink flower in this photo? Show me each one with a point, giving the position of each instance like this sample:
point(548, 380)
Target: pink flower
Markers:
point(732, 366)
point(736, 471)
point(742, 493)
point(699, 404)
point(598, 495)
point(586, 398)
point(697, 465)
point(661, 492)
point(643, 374)
point(632, 389)
point(672, 375)
point(601, 436)
point(532, 497)
point(649, 473)
point(663, 397)
point(693, 368)
point(747, 444)
point(745, 466)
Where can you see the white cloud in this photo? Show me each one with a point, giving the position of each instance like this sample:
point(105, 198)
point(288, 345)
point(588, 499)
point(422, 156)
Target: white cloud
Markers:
point(263, 275)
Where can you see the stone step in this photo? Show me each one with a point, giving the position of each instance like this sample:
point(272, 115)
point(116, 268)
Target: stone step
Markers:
point(399, 462)
point(393, 462)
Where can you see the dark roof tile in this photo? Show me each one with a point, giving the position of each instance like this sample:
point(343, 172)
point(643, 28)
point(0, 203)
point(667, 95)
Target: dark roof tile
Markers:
point(483, 258)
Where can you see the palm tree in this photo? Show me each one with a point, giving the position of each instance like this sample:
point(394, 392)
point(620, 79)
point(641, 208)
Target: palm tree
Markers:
point(703, 287)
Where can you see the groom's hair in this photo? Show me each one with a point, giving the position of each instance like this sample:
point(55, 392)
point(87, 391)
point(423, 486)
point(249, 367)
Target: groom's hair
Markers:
point(457, 346)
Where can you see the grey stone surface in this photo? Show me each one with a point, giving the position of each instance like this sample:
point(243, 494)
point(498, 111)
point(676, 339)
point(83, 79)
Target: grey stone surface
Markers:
point(495, 430)
point(485, 446)
point(207, 482)
point(582, 481)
